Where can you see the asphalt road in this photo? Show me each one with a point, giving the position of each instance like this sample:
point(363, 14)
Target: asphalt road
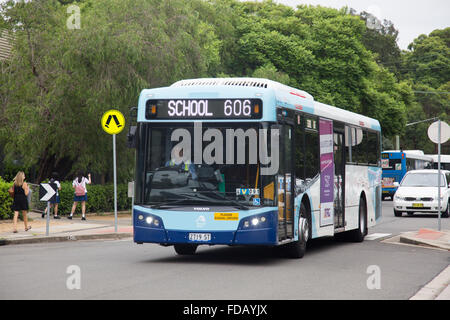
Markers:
point(124, 270)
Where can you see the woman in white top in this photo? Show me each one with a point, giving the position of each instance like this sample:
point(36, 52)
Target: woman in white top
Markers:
point(79, 184)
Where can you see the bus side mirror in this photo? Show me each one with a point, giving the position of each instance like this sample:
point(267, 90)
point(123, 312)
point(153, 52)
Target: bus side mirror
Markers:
point(131, 137)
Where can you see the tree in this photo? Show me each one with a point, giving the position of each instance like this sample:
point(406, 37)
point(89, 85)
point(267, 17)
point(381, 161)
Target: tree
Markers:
point(427, 66)
point(381, 38)
point(428, 61)
point(319, 50)
point(61, 81)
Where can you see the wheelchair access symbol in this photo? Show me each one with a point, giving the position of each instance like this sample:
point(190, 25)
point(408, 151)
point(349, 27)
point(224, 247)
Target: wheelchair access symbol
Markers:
point(113, 121)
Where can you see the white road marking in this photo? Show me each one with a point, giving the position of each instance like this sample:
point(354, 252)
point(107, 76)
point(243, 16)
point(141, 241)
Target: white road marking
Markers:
point(374, 236)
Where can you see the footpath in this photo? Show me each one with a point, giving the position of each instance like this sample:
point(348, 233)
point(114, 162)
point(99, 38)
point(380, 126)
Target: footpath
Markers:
point(439, 287)
point(95, 227)
point(102, 227)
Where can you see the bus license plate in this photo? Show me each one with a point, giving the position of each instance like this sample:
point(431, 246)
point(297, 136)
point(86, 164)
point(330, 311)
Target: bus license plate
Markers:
point(417, 205)
point(199, 236)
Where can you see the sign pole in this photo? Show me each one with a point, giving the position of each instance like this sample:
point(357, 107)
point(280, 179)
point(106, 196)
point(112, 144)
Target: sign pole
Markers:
point(47, 192)
point(439, 133)
point(115, 183)
point(48, 219)
point(439, 176)
point(113, 123)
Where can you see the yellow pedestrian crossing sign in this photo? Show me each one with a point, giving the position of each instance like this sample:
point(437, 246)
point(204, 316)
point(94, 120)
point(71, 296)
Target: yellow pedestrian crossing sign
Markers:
point(113, 121)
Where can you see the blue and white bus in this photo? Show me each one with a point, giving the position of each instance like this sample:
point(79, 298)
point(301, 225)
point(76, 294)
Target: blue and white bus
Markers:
point(245, 161)
point(395, 164)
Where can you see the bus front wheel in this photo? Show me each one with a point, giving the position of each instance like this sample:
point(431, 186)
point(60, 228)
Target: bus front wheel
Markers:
point(185, 249)
point(297, 249)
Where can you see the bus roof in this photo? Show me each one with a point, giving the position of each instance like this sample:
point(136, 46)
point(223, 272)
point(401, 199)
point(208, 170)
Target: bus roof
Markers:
point(412, 154)
point(444, 157)
point(284, 96)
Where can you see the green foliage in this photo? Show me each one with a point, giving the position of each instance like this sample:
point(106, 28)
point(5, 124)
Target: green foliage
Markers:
point(428, 62)
point(381, 39)
point(427, 66)
point(5, 200)
point(59, 81)
point(100, 198)
point(320, 50)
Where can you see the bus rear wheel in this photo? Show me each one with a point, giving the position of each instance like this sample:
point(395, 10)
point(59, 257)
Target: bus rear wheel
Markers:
point(359, 234)
point(185, 249)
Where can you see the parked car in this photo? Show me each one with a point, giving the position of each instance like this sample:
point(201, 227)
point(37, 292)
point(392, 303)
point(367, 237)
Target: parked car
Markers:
point(418, 192)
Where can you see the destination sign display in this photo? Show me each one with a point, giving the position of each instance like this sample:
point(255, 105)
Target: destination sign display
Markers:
point(204, 109)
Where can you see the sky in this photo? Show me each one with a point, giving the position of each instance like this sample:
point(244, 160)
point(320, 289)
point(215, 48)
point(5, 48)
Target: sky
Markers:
point(410, 17)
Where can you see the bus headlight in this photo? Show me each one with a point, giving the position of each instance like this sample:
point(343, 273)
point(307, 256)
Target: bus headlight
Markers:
point(148, 220)
point(255, 221)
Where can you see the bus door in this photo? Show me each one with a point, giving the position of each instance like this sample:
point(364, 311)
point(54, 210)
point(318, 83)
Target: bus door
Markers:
point(285, 178)
point(339, 178)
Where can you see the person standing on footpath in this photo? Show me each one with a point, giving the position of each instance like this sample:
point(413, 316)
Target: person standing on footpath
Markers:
point(54, 203)
point(79, 184)
point(20, 202)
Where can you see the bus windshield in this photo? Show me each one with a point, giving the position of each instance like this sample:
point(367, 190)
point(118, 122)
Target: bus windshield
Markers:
point(391, 164)
point(207, 165)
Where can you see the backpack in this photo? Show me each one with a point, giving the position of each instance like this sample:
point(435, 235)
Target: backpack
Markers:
point(79, 190)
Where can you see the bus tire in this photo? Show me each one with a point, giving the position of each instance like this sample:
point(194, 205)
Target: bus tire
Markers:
point(297, 249)
point(185, 249)
point(359, 234)
point(397, 213)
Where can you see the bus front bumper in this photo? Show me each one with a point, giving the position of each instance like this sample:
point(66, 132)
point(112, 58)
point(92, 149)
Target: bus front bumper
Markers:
point(259, 229)
point(263, 236)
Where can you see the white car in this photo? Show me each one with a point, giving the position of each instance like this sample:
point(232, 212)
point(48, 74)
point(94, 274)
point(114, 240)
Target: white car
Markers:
point(418, 193)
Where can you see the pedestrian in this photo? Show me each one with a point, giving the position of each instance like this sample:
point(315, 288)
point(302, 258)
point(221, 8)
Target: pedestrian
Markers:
point(79, 184)
point(20, 202)
point(54, 203)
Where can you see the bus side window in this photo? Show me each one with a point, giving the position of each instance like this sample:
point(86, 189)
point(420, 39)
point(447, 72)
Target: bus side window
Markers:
point(299, 155)
point(373, 144)
point(360, 150)
point(349, 143)
point(311, 150)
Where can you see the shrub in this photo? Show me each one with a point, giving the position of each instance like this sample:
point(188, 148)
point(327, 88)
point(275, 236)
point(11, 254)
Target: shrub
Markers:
point(5, 200)
point(100, 199)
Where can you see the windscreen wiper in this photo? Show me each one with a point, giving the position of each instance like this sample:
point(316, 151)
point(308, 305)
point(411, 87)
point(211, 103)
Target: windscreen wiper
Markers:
point(233, 202)
point(170, 203)
point(195, 198)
